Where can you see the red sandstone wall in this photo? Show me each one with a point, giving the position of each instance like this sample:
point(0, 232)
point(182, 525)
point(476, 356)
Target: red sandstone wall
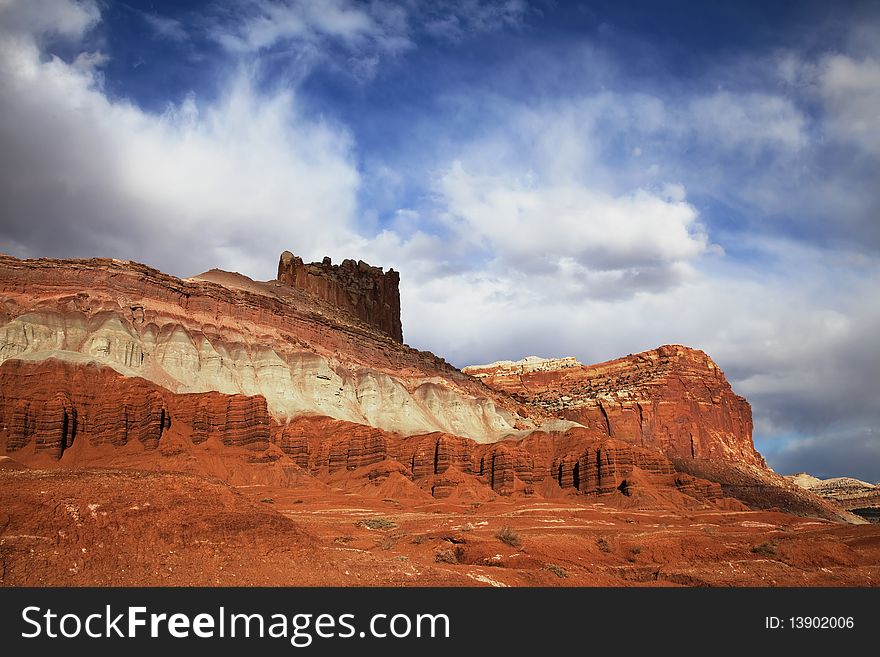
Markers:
point(364, 291)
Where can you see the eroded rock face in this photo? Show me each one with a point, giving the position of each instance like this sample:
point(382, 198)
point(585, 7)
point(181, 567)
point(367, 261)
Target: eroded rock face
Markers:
point(74, 414)
point(577, 461)
point(53, 405)
point(367, 292)
point(225, 333)
point(673, 398)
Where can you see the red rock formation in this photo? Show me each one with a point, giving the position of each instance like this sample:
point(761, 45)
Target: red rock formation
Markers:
point(236, 420)
point(578, 460)
point(63, 410)
point(366, 292)
point(673, 398)
point(224, 332)
point(53, 404)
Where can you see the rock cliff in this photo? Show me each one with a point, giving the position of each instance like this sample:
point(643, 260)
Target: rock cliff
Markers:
point(673, 398)
point(366, 292)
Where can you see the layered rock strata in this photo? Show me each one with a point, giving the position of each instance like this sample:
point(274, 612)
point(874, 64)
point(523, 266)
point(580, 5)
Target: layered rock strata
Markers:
point(223, 332)
point(673, 398)
point(851, 494)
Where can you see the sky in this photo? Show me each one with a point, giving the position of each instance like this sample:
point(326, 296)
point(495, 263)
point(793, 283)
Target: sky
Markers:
point(589, 179)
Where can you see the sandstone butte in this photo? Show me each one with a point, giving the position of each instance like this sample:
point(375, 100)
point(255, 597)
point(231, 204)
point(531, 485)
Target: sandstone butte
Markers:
point(302, 386)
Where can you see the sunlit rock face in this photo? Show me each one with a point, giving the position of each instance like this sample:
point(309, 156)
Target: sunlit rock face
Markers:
point(222, 332)
point(367, 292)
point(673, 398)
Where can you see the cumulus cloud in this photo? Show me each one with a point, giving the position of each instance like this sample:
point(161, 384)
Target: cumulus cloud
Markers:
point(571, 244)
point(200, 185)
point(571, 229)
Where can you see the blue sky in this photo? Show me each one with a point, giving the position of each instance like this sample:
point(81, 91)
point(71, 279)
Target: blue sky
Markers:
point(588, 179)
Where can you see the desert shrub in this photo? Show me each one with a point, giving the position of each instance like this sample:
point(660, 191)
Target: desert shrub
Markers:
point(765, 550)
point(267, 500)
point(508, 536)
point(377, 523)
point(559, 571)
point(603, 544)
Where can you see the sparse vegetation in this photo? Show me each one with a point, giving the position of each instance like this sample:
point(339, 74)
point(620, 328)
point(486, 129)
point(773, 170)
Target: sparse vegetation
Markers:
point(418, 540)
point(267, 500)
point(508, 536)
point(387, 543)
point(446, 556)
point(765, 550)
point(603, 544)
point(377, 523)
point(559, 571)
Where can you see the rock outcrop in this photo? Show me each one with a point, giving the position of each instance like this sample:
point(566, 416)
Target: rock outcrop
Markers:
point(524, 366)
point(104, 359)
point(70, 414)
point(854, 495)
point(366, 292)
point(673, 398)
point(54, 405)
point(576, 461)
point(225, 333)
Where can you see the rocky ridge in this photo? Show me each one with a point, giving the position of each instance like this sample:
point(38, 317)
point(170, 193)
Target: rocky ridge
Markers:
point(223, 332)
point(105, 361)
point(851, 494)
point(517, 367)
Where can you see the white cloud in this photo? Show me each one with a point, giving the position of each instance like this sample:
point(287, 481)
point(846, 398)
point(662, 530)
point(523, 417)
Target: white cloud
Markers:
point(39, 18)
point(201, 185)
point(457, 19)
point(166, 28)
point(749, 121)
point(850, 89)
point(534, 226)
point(268, 22)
